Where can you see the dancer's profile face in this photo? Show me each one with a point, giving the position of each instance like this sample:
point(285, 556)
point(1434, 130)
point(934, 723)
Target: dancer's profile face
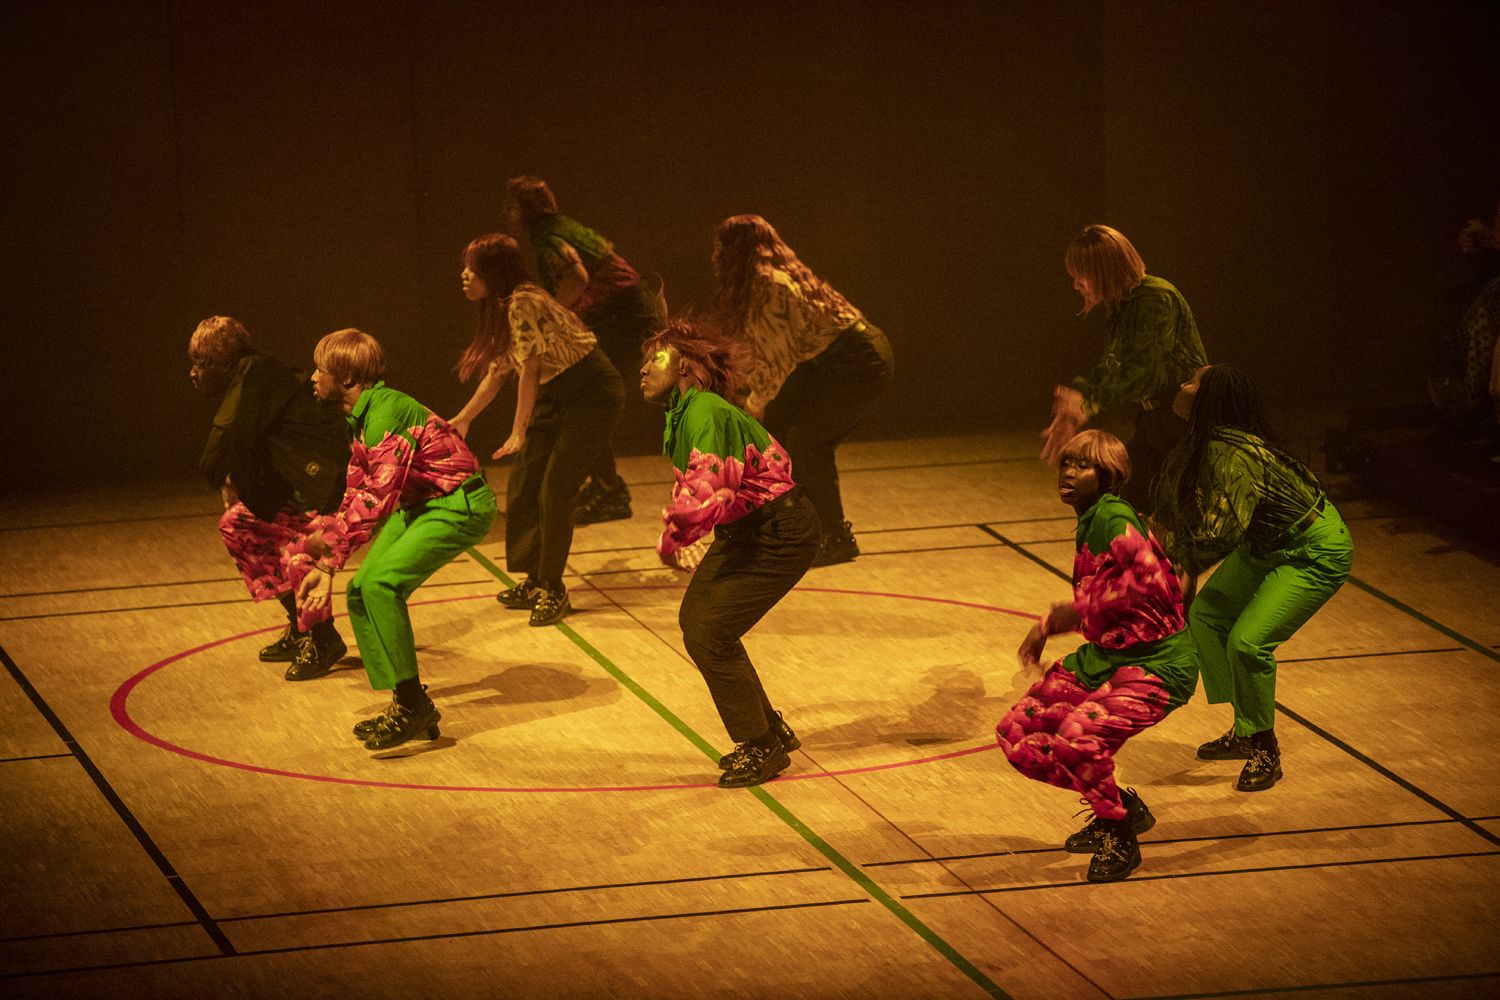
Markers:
point(1085, 288)
point(1187, 394)
point(475, 290)
point(660, 375)
point(209, 375)
point(1077, 481)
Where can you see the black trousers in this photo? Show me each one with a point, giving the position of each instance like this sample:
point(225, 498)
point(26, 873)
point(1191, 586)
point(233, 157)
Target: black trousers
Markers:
point(622, 323)
point(820, 403)
point(570, 425)
point(748, 569)
point(1157, 432)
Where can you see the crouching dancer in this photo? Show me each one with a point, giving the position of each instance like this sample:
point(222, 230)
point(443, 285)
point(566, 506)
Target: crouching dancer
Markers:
point(417, 488)
point(1139, 662)
point(276, 455)
point(734, 480)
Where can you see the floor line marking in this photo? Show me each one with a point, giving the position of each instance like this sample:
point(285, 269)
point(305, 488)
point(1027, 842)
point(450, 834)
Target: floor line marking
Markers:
point(853, 871)
point(1431, 623)
point(189, 899)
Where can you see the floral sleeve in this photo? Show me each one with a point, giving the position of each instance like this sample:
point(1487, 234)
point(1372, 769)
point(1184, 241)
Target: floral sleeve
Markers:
point(1127, 593)
point(700, 496)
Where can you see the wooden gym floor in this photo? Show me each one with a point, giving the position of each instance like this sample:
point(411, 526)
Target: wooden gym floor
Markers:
point(178, 821)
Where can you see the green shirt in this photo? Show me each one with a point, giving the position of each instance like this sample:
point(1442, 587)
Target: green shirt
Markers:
point(1152, 347)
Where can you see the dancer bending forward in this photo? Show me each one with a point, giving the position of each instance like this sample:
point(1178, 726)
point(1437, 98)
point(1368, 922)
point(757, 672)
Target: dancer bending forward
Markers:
point(735, 481)
point(1137, 666)
point(417, 488)
point(1232, 492)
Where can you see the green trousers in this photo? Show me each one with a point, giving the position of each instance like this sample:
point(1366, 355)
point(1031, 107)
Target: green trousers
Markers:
point(412, 545)
point(1251, 605)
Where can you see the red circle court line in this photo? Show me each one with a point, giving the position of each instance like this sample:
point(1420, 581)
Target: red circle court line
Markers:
point(121, 713)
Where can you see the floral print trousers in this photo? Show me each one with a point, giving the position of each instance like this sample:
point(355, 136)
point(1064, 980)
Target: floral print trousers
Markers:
point(1066, 735)
point(260, 552)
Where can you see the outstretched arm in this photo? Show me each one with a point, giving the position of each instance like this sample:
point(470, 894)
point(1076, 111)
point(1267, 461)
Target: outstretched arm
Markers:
point(484, 395)
point(531, 380)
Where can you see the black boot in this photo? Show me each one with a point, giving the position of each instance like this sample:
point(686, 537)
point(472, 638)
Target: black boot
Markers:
point(317, 652)
point(521, 597)
point(789, 740)
point(598, 503)
point(284, 649)
point(551, 605)
point(838, 546)
point(411, 712)
point(1086, 841)
point(1118, 853)
point(1263, 769)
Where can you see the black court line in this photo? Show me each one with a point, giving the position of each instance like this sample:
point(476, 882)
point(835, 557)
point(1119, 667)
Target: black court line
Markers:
point(477, 897)
point(453, 935)
point(106, 522)
point(121, 586)
point(1021, 549)
point(1206, 838)
point(1262, 870)
point(35, 756)
point(1386, 772)
point(148, 845)
point(1312, 987)
point(240, 599)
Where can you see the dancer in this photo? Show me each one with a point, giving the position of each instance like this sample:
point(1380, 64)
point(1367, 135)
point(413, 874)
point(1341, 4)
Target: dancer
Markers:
point(1151, 347)
point(1138, 664)
point(1231, 492)
point(581, 269)
point(417, 488)
point(735, 480)
point(568, 401)
point(276, 456)
point(816, 363)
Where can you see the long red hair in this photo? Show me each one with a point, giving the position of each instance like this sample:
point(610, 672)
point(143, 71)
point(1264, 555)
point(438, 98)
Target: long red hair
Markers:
point(496, 260)
point(746, 249)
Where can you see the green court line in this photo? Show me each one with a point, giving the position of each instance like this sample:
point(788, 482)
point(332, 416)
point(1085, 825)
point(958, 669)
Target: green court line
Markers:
point(843, 864)
point(1431, 623)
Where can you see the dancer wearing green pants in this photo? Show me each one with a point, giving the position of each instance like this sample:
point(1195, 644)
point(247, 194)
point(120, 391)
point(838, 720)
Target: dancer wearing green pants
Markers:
point(415, 485)
point(1230, 492)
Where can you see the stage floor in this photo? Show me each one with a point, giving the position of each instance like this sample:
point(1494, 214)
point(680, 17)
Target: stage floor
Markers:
point(181, 822)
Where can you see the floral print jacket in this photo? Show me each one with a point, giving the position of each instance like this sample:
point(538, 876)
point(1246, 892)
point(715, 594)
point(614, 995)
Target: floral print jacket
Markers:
point(726, 465)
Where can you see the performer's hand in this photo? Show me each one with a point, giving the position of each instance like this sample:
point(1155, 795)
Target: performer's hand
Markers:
point(1030, 653)
point(228, 493)
point(511, 446)
point(1067, 417)
point(316, 591)
point(688, 557)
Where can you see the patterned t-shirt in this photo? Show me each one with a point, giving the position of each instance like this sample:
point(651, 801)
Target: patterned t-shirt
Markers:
point(542, 327)
point(784, 329)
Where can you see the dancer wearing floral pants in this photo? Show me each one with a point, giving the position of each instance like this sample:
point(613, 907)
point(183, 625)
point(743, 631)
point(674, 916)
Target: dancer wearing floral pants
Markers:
point(1138, 665)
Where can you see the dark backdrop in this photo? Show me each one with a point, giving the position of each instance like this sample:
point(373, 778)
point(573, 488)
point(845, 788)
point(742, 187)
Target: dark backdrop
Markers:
point(1299, 169)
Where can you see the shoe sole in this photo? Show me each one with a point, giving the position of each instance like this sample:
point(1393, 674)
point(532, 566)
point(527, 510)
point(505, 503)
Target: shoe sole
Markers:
point(551, 619)
point(1122, 876)
point(757, 781)
point(1223, 756)
point(1275, 777)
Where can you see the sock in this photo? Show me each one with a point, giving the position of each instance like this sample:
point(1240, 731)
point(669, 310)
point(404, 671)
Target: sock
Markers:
point(289, 602)
point(1263, 740)
point(768, 740)
point(409, 692)
point(323, 632)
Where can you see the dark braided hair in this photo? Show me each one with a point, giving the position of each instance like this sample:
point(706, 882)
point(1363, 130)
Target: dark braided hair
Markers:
point(1226, 399)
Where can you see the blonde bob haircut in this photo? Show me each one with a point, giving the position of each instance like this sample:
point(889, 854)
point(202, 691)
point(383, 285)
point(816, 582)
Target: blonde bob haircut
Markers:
point(351, 356)
point(1104, 452)
point(219, 339)
point(1108, 261)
